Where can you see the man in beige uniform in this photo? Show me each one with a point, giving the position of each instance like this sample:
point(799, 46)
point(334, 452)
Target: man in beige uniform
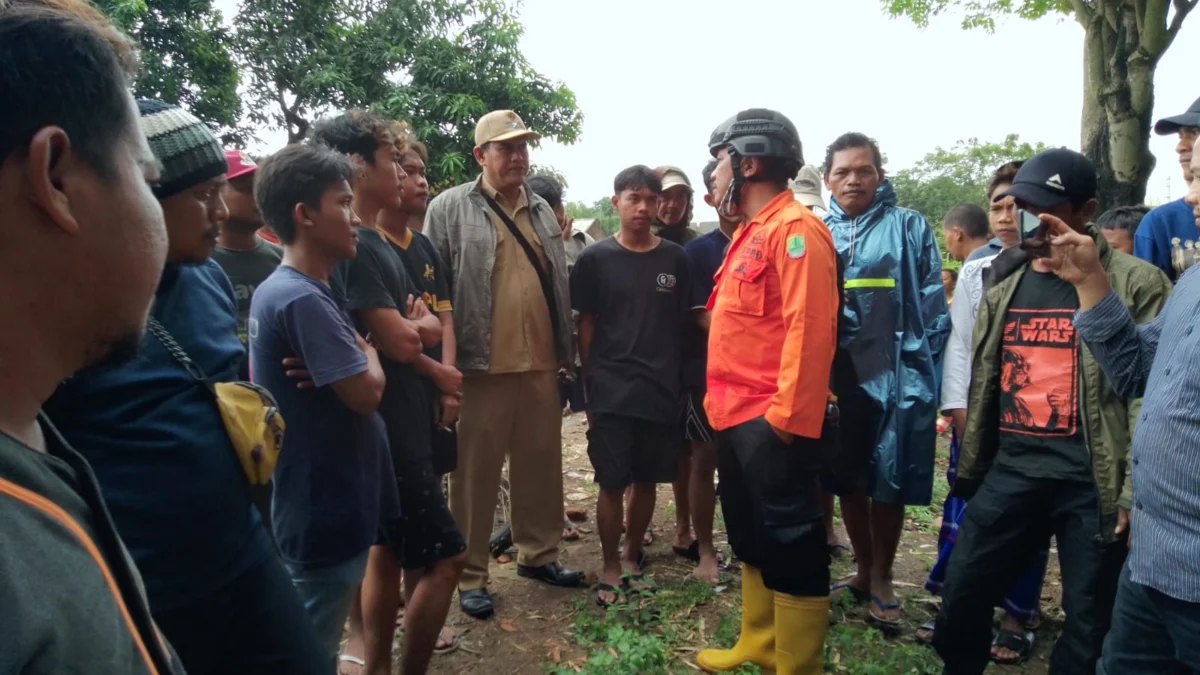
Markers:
point(505, 252)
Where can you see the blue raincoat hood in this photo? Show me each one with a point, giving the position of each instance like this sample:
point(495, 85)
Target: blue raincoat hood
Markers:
point(885, 196)
point(894, 327)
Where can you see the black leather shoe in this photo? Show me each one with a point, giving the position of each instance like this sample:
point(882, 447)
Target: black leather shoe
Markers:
point(500, 541)
point(551, 573)
point(476, 603)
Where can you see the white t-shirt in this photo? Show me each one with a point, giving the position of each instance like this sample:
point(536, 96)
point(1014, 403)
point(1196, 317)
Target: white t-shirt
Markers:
point(956, 360)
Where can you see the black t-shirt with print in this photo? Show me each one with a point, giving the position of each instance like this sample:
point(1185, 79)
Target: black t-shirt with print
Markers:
point(377, 279)
point(641, 302)
point(426, 272)
point(1040, 433)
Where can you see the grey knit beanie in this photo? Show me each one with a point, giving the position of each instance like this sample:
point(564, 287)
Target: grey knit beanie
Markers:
point(188, 151)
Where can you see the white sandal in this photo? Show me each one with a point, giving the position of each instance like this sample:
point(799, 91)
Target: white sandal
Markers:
point(346, 658)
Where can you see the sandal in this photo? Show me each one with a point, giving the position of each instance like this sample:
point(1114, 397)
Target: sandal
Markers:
point(1021, 643)
point(500, 541)
point(618, 595)
point(641, 561)
point(639, 582)
point(860, 596)
point(691, 553)
point(885, 625)
point(569, 531)
point(929, 627)
point(354, 660)
point(839, 550)
point(446, 648)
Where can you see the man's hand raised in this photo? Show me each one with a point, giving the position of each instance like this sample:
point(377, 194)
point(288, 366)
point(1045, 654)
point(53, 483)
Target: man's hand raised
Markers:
point(1076, 260)
point(1073, 256)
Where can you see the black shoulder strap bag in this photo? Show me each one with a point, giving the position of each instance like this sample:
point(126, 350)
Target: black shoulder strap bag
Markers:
point(543, 275)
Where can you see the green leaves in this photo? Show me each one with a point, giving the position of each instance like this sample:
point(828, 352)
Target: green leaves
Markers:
point(946, 177)
point(438, 64)
point(976, 13)
point(602, 210)
point(186, 58)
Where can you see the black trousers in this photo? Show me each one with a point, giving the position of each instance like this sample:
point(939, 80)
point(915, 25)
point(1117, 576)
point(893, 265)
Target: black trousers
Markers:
point(256, 624)
point(772, 509)
point(1007, 520)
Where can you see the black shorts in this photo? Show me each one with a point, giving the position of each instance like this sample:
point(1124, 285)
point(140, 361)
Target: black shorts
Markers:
point(695, 421)
point(627, 450)
point(426, 531)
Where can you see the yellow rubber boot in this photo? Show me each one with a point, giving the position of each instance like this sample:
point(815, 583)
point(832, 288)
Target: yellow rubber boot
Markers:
point(800, 626)
point(756, 644)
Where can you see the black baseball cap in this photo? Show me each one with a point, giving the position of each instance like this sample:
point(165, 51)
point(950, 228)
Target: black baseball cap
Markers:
point(1169, 125)
point(1052, 177)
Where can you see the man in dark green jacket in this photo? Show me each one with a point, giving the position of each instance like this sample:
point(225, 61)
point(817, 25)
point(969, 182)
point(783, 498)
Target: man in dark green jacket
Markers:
point(1047, 439)
point(81, 250)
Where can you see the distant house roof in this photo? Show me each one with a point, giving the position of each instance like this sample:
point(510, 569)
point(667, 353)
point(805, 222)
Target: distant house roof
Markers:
point(707, 226)
point(591, 226)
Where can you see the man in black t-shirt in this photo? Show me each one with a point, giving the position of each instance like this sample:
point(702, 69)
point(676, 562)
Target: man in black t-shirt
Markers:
point(631, 292)
point(1045, 449)
point(392, 289)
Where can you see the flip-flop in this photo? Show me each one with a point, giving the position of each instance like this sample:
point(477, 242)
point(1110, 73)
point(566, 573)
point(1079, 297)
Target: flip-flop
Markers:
point(860, 596)
point(569, 531)
point(346, 658)
point(642, 583)
point(641, 561)
point(879, 622)
point(930, 626)
point(446, 649)
point(500, 541)
point(838, 551)
point(618, 595)
point(1021, 643)
point(691, 553)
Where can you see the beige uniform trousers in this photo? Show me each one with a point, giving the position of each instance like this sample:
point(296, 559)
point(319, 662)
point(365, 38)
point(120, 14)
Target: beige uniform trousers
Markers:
point(518, 415)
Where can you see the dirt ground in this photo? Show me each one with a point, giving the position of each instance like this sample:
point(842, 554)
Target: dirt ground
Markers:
point(533, 628)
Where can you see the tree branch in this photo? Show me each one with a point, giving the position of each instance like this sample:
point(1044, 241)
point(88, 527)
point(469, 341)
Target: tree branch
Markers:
point(290, 116)
point(1083, 12)
point(1157, 35)
point(1182, 9)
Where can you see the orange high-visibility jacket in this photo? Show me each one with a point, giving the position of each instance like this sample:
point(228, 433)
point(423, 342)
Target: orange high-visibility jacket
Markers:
point(774, 322)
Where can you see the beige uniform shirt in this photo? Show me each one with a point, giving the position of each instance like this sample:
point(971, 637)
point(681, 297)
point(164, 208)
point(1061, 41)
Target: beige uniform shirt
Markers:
point(522, 336)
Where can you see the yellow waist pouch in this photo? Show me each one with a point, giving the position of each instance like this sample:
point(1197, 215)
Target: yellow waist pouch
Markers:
point(250, 414)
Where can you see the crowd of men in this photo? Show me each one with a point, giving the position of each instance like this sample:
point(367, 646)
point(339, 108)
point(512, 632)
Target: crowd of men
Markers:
point(233, 389)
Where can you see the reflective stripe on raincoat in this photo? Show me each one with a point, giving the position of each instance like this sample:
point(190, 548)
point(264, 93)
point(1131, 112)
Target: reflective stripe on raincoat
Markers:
point(895, 325)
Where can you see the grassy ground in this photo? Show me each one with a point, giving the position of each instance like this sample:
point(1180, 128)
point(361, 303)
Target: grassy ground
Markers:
point(557, 631)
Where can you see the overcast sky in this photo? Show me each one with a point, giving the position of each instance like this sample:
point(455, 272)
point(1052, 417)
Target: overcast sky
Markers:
point(654, 77)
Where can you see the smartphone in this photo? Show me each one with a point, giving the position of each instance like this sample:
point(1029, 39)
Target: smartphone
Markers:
point(1027, 223)
point(1035, 235)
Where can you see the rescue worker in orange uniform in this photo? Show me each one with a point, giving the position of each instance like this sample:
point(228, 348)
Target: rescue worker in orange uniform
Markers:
point(770, 352)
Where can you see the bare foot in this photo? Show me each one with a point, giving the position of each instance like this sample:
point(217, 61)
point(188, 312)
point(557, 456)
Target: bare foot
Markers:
point(569, 532)
point(648, 537)
point(707, 570)
point(447, 641)
point(609, 591)
point(683, 539)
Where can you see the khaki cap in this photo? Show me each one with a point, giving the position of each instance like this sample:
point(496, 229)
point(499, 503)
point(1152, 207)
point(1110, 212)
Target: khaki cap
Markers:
point(502, 125)
point(672, 176)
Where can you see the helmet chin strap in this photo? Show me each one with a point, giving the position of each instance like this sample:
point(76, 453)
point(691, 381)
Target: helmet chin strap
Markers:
point(731, 200)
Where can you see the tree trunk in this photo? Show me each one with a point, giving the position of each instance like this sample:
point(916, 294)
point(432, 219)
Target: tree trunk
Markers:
point(1118, 101)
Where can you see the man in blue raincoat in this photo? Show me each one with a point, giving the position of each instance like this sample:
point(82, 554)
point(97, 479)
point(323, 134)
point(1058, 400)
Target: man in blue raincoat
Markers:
point(893, 330)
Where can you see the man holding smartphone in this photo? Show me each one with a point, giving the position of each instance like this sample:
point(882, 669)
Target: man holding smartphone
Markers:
point(1157, 613)
point(1047, 436)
